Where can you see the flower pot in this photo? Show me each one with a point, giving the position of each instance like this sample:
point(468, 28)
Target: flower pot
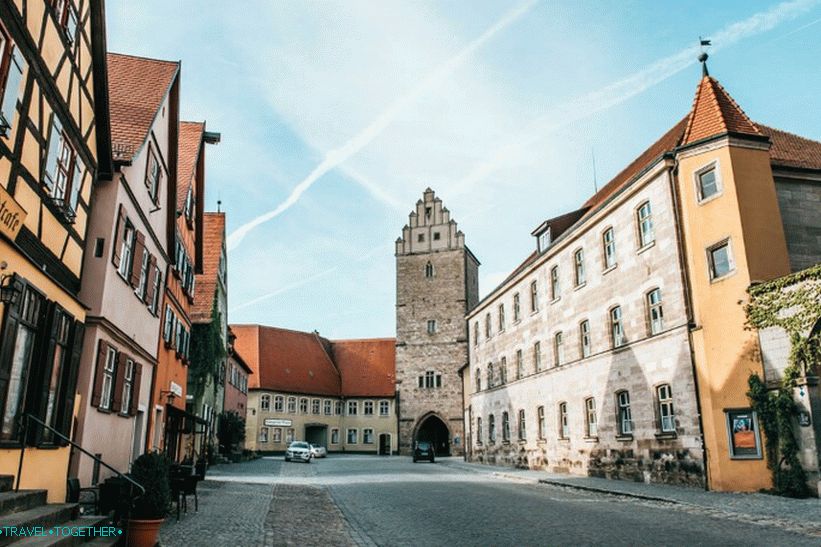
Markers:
point(143, 533)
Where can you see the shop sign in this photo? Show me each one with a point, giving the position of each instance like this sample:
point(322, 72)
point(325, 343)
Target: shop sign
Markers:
point(11, 215)
point(275, 422)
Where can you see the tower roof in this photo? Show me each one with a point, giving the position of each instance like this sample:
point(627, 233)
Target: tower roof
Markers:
point(714, 112)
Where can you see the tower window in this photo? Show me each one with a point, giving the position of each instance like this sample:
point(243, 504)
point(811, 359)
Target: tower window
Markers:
point(430, 380)
point(420, 238)
point(429, 270)
point(431, 326)
point(428, 212)
point(437, 236)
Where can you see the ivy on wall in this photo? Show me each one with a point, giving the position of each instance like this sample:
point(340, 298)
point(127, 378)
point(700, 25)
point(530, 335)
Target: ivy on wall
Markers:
point(792, 303)
point(207, 352)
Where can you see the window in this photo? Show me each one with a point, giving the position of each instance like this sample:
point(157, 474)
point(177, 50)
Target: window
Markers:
point(476, 333)
point(63, 175)
point(520, 364)
point(384, 408)
point(334, 436)
point(168, 325)
point(367, 436)
point(537, 356)
point(708, 184)
point(352, 436)
point(609, 248)
point(430, 380)
point(328, 407)
point(517, 311)
point(108, 378)
point(289, 435)
point(279, 403)
point(315, 405)
point(277, 435)
point(478, 380)
point(584, 337)
point(154, 293)
point(667, 417)
point(721, 260)
point(11, 74)
point(189, 206)
point(505, 427)
point(479, 433)
point(544, 240)
point(265, 402)
point(142, 285)
point(503, 370)
point(540, 416)
point(564, 428)
point(501, 317)
point(590, 407)
point(127, 250)
point(558, 349)
point(263, 434)
point(555, 287)
point(534, 296)
point(625, 417)
point(616, 327)
point(303, 406)
point(429, 270)
point(431, 326)
point(338, 408)
point(645, 224)
point(491, 428)
point(128, 387)
point(66, 13)
point(367, 408)
point(353, 408)
point(522, 425)
point(487, 326)
point(578, 260)
point(153, 173)
point(655, 315)
point(292, 405)
point(420, 238)
point(437, 236)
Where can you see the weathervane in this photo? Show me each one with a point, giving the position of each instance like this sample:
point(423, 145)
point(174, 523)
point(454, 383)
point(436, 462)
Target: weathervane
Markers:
point(703, 55)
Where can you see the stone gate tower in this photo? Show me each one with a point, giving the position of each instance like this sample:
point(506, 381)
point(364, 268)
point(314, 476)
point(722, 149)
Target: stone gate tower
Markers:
point(436, 285)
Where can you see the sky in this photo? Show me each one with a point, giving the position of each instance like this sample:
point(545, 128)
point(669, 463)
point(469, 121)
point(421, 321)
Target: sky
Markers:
point(335, 116)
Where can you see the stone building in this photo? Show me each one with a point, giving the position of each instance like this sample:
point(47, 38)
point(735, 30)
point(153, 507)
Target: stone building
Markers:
point(339, 394)
point(619, 347)
point(436, 285)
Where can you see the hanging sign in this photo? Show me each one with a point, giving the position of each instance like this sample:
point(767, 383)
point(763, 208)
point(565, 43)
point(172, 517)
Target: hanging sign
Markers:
point(11, 215)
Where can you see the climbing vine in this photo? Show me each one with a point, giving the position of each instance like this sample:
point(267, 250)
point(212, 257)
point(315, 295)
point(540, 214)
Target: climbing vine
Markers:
point(792, 303)
point(207, 352)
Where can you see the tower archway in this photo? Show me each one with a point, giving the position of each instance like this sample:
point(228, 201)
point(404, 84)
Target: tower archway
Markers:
point(433, 429)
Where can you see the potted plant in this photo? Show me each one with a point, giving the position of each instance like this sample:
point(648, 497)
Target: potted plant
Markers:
point(151, 470)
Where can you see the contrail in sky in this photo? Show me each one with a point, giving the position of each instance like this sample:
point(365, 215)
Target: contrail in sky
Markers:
point(339, 155)
point(620, 91)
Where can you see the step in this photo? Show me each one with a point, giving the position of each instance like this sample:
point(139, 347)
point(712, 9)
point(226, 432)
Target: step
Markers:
point(70, 541)
point(6, 483)
point(14, 502)
point(43, 515)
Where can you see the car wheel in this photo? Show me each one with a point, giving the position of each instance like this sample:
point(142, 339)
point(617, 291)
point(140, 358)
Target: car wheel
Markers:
point(414, 459)
point(431, 460)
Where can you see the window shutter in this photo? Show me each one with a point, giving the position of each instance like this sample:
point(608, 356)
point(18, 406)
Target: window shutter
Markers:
point(135, 389)
point(66, 416)
point(119, 375)
point(17, 65)
point(97, 390)
point(118, 234)
point(54, 139)
point(137, 262)
point(42, 379)
point(151, 281)
point(9, 334)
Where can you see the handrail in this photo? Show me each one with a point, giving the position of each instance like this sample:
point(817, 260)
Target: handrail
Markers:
point(37, 420)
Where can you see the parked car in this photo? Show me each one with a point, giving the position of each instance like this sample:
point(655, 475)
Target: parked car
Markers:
point(318, 451)
point(298, 451)
point(423, 451)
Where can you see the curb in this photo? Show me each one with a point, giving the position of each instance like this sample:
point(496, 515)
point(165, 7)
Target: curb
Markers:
point(611, 492)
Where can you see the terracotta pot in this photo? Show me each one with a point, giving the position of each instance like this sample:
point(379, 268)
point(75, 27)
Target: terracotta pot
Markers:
point(143, 533)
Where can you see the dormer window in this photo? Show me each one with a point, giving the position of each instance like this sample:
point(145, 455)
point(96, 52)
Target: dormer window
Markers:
point(544, 240)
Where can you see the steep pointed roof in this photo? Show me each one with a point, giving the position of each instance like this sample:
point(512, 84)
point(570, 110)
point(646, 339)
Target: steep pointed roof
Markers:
point(714, 112)
point(137, 87)
point(190, 143)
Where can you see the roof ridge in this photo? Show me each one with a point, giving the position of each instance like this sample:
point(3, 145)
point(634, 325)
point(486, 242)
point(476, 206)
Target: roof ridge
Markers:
point(790, 133)
point(143, 57)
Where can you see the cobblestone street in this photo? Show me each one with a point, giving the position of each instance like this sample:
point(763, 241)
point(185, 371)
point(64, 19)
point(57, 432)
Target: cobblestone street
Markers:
point(365, 500)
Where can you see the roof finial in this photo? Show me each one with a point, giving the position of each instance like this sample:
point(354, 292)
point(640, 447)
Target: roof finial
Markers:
point(703, 55)
point(219, 205)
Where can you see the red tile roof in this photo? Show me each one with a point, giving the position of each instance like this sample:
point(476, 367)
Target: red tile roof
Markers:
point(206, 284)
point(789, 150)
point(367, 367)
point(714, 112)
point(301, 362)
point(190, 146)
point(137, 88)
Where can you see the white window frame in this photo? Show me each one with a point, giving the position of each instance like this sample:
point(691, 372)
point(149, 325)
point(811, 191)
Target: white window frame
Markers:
point(713, 166)
point(578, 267)
point(263, 434)
point(730, 260)
point(522, 425)
point(624, 415)
point(540, 417)
point(291, 405)
point(353, 408)
point(655, 311)
point(555, 283)
point(609, 248)
point(517, 308)
point(617, 327)
point(384, 408)
point(666, 409)
point(352, 433)
point(265, 402)
point(591, 418)
point(279, 403)
point(558, 348)
point(644, 223)
point(584, 338)
point(110, 365)
point(367, 435)
point(367, 408)
point(564, 425)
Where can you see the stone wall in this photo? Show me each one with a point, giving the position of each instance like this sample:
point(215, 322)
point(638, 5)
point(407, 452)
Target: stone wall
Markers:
point(800, 202)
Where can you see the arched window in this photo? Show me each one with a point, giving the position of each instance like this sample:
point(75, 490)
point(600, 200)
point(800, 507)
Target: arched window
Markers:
point(491, 428)
point(625, 415)
point(429, 270)
point(667, 416)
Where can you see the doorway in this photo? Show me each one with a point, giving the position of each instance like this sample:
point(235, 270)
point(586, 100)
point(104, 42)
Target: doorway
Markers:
point(384, 444)
point(433, 430)
point(317, 434)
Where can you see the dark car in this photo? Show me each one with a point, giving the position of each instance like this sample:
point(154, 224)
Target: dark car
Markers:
point(423, 451)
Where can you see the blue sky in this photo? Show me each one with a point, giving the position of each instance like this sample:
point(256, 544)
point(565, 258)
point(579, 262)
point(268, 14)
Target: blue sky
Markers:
point(335, 116)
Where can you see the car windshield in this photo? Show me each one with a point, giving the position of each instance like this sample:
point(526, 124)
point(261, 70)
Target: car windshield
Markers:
point(299, 445)
point(423, 446)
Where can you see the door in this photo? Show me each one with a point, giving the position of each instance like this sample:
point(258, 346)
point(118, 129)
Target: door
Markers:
point(385, 444)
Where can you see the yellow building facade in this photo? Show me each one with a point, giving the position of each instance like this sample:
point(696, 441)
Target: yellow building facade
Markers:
point(53, 68)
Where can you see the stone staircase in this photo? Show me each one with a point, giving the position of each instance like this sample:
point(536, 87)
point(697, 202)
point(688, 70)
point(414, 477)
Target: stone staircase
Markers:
point(28, 509)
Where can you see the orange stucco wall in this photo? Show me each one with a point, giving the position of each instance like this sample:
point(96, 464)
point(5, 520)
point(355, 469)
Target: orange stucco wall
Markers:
point(746, 211)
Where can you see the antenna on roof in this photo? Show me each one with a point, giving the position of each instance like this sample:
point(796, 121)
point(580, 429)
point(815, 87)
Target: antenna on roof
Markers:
point(219, 205)
point(702, 57)
point(595, 182)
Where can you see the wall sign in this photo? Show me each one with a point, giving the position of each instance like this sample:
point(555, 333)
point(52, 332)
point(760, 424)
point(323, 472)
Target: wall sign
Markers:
point(176, 389)
point(11, 215)
point(276, 422)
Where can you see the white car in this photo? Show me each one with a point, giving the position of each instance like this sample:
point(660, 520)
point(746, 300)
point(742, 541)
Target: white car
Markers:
point(318, 451)
point(298, 451)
